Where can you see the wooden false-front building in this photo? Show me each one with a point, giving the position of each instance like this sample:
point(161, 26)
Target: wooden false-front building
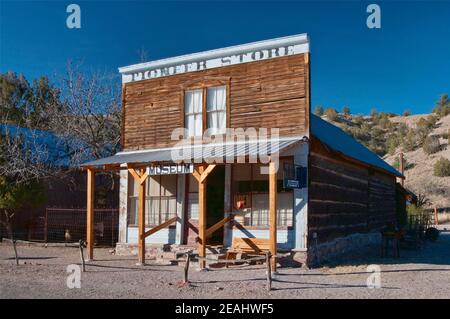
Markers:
point(222, 144)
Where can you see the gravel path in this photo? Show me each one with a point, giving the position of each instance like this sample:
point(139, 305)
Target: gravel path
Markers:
point(42, 273)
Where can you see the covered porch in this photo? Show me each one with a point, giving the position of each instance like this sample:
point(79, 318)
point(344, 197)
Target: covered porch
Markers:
point(141, 167)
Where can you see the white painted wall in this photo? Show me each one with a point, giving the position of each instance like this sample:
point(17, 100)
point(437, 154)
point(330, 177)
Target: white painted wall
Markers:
point(123, 206)
point(129, 234)
point(301, 201)
point(295, 238)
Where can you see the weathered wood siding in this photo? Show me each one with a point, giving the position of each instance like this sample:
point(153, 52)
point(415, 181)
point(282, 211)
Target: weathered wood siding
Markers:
point(382, 200)
point(268, 93)
point(345, 197)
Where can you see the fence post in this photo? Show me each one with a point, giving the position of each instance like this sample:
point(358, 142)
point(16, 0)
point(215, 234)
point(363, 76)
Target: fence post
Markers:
point(186, 268)
point(436, 217)
point(82, 255)
point(46, 226)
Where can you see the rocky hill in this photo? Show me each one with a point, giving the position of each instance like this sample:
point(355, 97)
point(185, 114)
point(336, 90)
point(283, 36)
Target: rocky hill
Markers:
point(422, 138)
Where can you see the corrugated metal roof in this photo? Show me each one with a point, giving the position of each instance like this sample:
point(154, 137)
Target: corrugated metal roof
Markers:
point(198, 153)
point(341, 142)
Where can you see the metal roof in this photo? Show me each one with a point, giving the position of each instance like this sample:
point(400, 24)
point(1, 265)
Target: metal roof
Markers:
point(198, 153)
point(341, 142)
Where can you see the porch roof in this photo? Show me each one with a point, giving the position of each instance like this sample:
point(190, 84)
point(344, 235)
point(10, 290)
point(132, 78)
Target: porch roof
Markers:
point(198, 153)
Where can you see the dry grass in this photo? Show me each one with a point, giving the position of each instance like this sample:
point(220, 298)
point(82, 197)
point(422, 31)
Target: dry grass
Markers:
point(420, 177)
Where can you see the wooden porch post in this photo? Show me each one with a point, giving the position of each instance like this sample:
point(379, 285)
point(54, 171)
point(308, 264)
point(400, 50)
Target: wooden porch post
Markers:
point(273, 213)
point(202, 218)
point(90, 214)
point(141, 222)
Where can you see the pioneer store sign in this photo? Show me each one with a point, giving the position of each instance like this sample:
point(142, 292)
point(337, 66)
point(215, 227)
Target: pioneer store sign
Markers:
point(216, 58)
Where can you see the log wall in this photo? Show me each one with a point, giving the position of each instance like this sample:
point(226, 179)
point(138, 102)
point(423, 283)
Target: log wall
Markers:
point(345, 197)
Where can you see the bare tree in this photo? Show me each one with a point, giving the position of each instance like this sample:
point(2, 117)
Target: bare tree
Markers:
point(89, 119)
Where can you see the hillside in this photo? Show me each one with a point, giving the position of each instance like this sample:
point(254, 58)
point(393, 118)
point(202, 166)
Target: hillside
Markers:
point(388, 135)
point(419, 172)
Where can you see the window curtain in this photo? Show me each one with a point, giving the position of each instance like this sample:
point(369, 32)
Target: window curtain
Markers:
point(193, 111)
point(216, 109)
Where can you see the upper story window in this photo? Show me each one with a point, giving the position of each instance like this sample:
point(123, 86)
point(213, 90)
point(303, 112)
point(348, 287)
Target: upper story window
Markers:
point(217, 109)
point(193, 110)
point(212, 116)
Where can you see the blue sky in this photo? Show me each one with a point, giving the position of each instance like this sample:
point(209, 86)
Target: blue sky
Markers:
point(403, 65)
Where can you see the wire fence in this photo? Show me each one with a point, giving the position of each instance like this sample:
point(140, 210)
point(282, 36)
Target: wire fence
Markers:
point(67, 225)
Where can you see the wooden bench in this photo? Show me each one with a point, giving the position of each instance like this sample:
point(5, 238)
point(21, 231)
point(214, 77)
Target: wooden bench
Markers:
point(257, 246)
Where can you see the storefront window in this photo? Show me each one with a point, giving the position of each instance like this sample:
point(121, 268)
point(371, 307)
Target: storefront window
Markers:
point(251, 190)
point(192, 200)
point(161, 201)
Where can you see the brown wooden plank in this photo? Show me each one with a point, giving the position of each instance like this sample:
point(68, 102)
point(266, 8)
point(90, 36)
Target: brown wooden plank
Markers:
point(273, 212)
point(268, 93)
point(141, 222)
point(90, 214)
point(159, 227)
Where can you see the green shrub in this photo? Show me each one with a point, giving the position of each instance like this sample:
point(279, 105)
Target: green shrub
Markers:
point(442, 107)
point(392, 142)
point(331, 114)
point(442, 167)
point(409, 141)
point(431, 144)
point(318, 110)
point(359, 119)
point(407, 112)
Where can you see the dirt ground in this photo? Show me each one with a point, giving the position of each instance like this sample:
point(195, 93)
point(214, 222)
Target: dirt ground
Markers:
point(423, 273)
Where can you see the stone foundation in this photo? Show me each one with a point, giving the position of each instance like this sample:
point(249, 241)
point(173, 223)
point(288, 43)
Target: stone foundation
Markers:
point(327, 251)
point(151, 251)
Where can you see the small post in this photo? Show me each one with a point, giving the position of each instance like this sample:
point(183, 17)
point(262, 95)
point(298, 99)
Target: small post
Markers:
point(90, 214)
point(15, 252)
point(316, 249)
point(202, 219)
point(273, 212)
point(141, 221)
point(83, 264)
point(186, 268)
point(269, 272)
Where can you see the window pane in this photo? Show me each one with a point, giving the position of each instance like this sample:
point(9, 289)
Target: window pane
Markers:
point(193, 112)
point(168, 185)
point(152, 211)
point(216, 99)
point(133, 210)
point(190, 124)
point(212, 122)
point(153, 186)
point(193, 205)
point(198, 101)
point(216, 108)
point(198, 125)
point(188, 102)
point(221, 125)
